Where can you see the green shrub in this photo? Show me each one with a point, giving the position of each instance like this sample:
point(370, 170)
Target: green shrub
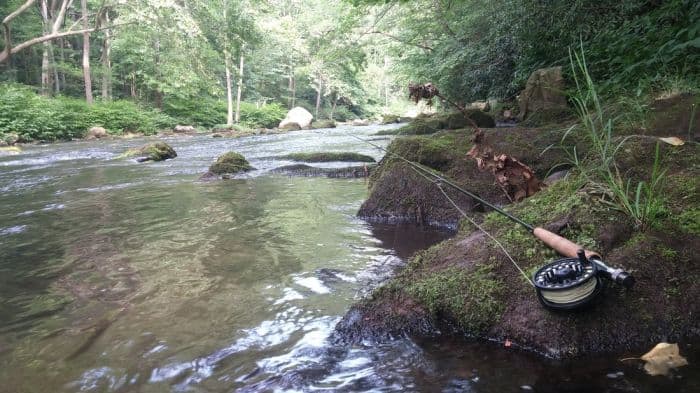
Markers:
point(210, 112)
point(266, 116)
point(34, 117)
point(196, 111)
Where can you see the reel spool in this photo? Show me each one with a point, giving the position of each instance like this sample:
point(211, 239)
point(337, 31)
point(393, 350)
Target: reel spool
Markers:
point(570, 283)
point(567, 283)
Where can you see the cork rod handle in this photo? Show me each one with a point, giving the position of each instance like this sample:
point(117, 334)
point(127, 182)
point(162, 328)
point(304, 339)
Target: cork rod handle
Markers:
point(560, 244)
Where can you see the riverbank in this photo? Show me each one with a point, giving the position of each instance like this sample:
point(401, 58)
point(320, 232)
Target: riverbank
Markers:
point(466, 286)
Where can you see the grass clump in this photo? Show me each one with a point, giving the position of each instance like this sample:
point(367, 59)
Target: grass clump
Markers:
point(329, 157)
point(642, 201)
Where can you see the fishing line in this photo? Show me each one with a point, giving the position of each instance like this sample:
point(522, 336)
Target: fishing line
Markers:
point(417, 168)
point(563, 284)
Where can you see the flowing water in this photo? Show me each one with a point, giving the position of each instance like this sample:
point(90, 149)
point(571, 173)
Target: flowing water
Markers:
point(124, 277)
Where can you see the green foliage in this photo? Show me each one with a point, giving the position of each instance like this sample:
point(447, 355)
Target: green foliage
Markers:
point(265, 116)
point(34, 117)
point(201, 112)
point(643, 202)
point(210, 112)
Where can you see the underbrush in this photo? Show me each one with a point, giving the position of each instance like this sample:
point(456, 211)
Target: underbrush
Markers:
point(33, 117)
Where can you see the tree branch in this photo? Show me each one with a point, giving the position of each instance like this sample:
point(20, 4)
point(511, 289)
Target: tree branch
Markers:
point(4, 56)
point(19, 10)
point(397, 39)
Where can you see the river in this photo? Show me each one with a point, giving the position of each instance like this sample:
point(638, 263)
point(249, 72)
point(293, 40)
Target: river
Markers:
point(117, 276)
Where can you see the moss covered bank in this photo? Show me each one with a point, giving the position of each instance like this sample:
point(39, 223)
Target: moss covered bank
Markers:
point(466, 285)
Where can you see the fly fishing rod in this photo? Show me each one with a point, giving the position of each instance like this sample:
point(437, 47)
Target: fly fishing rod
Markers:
point(563, 284)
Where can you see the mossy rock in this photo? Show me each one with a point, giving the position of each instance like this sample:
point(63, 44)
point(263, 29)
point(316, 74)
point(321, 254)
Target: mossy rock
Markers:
point(467, 284)
point(230, 163)
point(158, 151)
point(419, 126)
point(459, 120)
point(329, 157)
point(291, 127)
point(390, 119)
point(319, 124)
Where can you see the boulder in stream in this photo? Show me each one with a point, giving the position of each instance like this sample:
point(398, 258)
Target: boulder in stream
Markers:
point(158, 151)
point(297, 115)
point(96, 133)
point(228, 164)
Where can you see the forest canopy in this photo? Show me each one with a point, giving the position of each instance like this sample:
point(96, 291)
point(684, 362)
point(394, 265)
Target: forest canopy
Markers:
point(209, 62)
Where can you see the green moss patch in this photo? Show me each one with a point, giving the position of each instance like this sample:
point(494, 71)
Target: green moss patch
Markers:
point(230, 163)
point(329, 157)
point(468, 298)
point(319, 124)
point(159, 151)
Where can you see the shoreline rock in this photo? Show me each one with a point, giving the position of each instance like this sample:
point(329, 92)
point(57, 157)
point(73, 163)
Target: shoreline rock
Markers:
point(466, 286)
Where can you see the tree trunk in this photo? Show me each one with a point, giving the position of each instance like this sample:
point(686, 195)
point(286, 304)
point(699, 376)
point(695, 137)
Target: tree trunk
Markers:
point(45, 78)
point(107, 63)
point(318, 96)
point(156, 62)
point(335, 104)
point(290, 87)
point(45, 66)
point(240, 86)
point(86, 54)
point(62, 54)
point(229, 89)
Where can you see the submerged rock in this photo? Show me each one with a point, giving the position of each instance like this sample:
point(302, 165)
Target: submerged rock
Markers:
point(336, 173)
point(329, 157)
point(158, 151)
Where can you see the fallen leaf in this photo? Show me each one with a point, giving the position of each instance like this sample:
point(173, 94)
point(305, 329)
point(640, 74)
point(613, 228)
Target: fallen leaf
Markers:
point(662, 358)
point(672, 140)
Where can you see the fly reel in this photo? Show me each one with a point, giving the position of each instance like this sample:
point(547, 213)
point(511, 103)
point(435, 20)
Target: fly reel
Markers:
point(570, 283)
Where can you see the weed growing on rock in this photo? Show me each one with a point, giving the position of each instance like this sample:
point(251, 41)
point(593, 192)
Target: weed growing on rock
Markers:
point(643, 202)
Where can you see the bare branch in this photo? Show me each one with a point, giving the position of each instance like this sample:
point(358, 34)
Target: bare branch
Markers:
point(397, 39)
point(4, 56)
point(17, 12)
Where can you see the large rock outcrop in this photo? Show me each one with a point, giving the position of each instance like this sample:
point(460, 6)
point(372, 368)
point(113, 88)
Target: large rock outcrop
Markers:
point(467, 285)
point(398, 193)
point(543, 94)
point(297, 115)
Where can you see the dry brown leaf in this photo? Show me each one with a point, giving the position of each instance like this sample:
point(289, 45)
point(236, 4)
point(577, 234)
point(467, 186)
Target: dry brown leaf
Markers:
point(662, 358)
point(516, 179)
point(672, 140)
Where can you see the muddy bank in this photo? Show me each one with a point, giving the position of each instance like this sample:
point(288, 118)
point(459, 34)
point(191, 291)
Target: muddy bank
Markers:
point(466, 286)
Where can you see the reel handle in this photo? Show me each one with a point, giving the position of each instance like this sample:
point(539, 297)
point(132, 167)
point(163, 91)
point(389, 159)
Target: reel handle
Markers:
point(562, 245)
